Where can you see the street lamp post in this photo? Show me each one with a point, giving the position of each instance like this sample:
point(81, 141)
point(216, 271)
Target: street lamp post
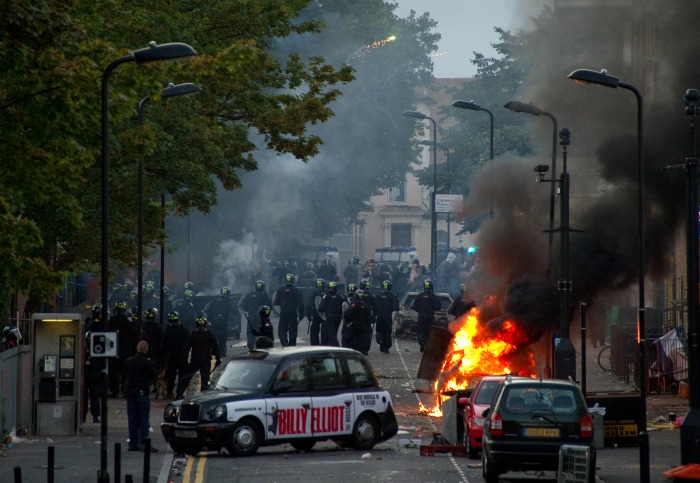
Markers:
point(171, 91)
point(448, 184)
point(152, 53)
point(690, 428)
point(433, 217)
point(517, 106)
point(472, 106)
point(602, 78)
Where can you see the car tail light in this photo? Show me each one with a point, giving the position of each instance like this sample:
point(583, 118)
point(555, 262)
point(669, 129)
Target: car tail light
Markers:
point(586, 428)
point(496, 424)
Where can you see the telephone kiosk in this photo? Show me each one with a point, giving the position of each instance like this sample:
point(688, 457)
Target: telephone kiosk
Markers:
point(58, 354)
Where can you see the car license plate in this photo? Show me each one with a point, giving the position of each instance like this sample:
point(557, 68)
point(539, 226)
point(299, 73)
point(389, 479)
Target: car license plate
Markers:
point(542, 432)
point(181, 433)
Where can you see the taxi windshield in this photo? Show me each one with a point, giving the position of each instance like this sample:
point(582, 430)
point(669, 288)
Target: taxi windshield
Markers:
point(245, 375)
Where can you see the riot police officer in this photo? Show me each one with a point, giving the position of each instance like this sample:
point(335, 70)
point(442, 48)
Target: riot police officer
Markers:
point(250, 305)
point(203, 346)
point(425, 303)
point(174, 339)
point(291, 304)
point(387, 304)
point(331, 307)
point(312, 314)
point(355, 323)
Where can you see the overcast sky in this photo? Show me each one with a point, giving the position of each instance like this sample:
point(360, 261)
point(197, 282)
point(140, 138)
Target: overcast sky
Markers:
point(466, 26)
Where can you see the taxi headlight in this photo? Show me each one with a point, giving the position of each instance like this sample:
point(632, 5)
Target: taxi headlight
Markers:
point(218, 412)
point(171, 411)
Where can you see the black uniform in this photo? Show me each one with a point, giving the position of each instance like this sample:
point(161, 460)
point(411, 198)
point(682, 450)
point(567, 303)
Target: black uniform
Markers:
point(332, 306)
point(174, 339)
point(203, 344)
point(425, 303)
point(153, 333)
point(93, 388)
point(372, 305)
point(249, 305)
point(291, 304)
point(459, 307)
point(218, 312)
point(387, 304)
point(355, 324)
point(187, 312)
point(126, 347)
point(314, 317)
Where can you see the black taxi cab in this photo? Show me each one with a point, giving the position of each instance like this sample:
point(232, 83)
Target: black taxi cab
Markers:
point(296, 395)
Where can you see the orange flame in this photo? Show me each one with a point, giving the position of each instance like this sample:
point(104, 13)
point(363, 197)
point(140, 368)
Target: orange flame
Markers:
point(474, 353)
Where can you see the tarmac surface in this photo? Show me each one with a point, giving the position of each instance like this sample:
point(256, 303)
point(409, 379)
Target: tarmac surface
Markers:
point(77, 458)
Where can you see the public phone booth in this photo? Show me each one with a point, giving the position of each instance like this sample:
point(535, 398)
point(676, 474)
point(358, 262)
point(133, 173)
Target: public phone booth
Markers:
point(58, 353)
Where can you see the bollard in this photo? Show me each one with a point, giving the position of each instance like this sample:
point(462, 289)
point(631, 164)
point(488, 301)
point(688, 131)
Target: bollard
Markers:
point(146, 459)
point(18, 474)
point(117, 462)
point(128, 479)
point(49, 471)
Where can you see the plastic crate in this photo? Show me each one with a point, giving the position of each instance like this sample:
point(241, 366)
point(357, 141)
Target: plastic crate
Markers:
point(574, 462)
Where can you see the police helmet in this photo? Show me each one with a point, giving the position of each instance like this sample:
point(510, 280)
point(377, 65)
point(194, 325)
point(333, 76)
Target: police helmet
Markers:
point(289, 279)
point(320, 283)
point(225, 291)
point(428, 286)
point(386, 285)
point(189, 286)
point(259, 285)
point(120, 307)
point(359, 295)
point(201, 321)
point(463, 288)
point(117, 288)
point(127, 286)
point(351, 288)
point(173, 317)
point(151, 314)
point(166, 290)
point(332, 287)
point(264, 312)
point(134, 313)
point(149, 286)
point(97, 309)
point(356, 260)
point(364, 284)
point(189, 294)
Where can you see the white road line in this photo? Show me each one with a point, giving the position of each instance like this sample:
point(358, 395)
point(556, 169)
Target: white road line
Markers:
point(430, 420)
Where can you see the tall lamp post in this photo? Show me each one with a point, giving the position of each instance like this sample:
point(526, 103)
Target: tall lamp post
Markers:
point(152, 53)
point(690, 428)
point(517, 106)
point(449, 181)
point(433, 215)
point(472, 106)
point(171, 91)
point(602, 78)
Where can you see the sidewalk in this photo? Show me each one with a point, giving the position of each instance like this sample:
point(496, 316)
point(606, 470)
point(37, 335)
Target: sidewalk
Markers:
point(77, 458)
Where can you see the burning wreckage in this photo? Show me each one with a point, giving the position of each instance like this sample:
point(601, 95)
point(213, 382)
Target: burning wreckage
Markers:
point(483, 342)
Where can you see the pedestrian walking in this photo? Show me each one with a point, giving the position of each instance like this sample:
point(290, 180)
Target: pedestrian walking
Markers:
point(139, 375)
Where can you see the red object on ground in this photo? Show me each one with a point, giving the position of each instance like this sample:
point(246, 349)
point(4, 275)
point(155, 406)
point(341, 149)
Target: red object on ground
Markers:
point(689, 472)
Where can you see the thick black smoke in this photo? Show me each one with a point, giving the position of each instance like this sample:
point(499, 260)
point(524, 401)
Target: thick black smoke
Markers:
point(640, 45)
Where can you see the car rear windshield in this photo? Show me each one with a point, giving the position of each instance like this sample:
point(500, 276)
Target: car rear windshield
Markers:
point(526, 399)
point(486, 392)
point(246, 375)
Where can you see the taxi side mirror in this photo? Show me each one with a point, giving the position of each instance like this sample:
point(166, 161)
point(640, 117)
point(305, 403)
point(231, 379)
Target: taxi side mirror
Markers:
point(282, 386)
point(463, 401)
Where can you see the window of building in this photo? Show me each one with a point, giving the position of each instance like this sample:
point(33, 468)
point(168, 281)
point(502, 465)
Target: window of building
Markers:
point(401, 235)
point(397, 194)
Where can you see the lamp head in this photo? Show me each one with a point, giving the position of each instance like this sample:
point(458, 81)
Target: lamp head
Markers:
point(587, 76)
point(155, 52)
point(517, 106)
point(541, 170)
point(467, 105)
point(415, 114)
point(564, 136)
point(179, 90)
point(692, 96)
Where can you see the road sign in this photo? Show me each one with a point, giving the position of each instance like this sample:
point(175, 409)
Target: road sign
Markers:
point(447, 203)
point(103, 344)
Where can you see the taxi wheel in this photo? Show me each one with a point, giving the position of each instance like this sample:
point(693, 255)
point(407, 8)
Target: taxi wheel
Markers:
point(246, 439)
point(303, 444)
point(186, 448)
point(365, 434)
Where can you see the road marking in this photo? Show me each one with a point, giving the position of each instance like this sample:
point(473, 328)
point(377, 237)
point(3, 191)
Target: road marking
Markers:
point(165, 468)
point(188, 469)
point(430, 420)
point(199, 477)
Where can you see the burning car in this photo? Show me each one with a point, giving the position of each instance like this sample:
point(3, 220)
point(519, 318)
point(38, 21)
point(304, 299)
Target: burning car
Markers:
point(405, 323)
